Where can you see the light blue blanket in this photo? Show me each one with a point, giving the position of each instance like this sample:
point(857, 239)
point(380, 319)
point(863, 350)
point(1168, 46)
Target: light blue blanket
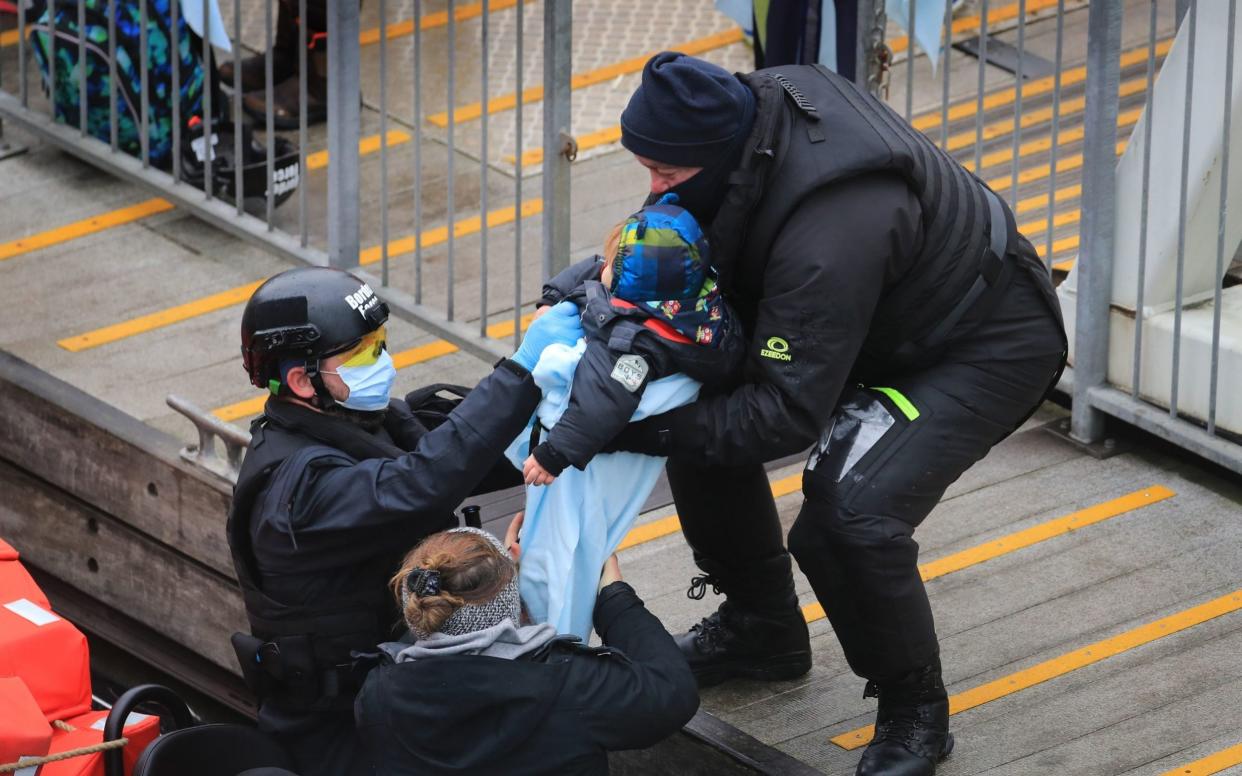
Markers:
point(574, 524)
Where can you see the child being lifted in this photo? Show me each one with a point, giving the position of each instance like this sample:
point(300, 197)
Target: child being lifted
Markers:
point(651, 310)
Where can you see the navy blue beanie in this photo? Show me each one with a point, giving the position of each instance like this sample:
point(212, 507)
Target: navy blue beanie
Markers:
point(687, 112)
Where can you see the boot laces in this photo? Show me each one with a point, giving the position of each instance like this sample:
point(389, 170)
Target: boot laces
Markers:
point(699, 585)
point(709, 631)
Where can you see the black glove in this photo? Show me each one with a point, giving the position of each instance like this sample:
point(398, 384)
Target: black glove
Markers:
point(650, 436)
point(402, 425)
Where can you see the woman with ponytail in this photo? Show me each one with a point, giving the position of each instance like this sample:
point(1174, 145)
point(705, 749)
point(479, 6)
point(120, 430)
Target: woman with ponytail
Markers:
point(479, 692)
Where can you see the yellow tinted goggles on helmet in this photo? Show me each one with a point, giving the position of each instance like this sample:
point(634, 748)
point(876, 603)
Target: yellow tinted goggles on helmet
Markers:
point(368, 350)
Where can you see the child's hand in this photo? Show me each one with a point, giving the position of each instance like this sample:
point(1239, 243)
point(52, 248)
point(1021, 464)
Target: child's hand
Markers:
point(534, 474)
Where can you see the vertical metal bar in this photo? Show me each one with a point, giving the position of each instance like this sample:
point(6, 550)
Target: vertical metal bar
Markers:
point(483, 170)
point(945, 49)
point(1019, 84)
point(983, 66)
point(303, 43)
point(909, 62)
point(112, 117)
point(269, 111)
point(557, 72)
point(174, 54)
point(144, 139)
point(239, 185)
point(383, 75)
point(1175, 377)
point(418, 151)
point(208, 145)
point(1144, 199)
point(452, 126)
point(22, 88)
point(520, 11)
point(82, 68)
point(1056, 130)
point(343, 116)
point(1179, 10)
point(1220, 227)
point(51, 57)
point(1095, 268)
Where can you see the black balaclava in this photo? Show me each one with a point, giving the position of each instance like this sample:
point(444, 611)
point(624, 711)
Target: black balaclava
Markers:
point(690, 113)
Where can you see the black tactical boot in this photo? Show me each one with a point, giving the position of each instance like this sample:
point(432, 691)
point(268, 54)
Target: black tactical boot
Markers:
point(284, 56)
point(758, 633)
point(911, 726)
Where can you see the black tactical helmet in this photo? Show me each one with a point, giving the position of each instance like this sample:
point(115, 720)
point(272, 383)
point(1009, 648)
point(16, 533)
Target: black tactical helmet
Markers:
point(307, 313)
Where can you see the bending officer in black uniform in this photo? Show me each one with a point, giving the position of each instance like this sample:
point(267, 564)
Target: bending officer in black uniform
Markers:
point(896, 321)
point(339, 482)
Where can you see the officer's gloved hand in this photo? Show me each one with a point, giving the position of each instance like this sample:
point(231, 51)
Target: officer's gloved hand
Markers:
point(561, 324)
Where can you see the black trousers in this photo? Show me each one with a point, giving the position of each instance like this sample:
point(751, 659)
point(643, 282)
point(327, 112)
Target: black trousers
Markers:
point(883, 464)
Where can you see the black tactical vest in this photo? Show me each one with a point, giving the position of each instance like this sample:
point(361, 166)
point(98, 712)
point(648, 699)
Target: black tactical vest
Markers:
point(296, 656)
point(814, 129)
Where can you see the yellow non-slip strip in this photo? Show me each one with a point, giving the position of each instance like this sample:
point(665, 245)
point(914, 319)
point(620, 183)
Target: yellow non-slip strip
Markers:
point(439, 234)
point(1025, 538)
point(1033, 118)
point(433, 20)
point(670, 525)
point(400, 360)
point(599, 75)
point(968, 25)
point(125, 215)
point(156, 320)
point(83, 228)
point(367, 145)
point(240, 294)
point(1079, 658)
point(1213, 763)
point(1043, 144)
point(9, 37)
point(1071, 76)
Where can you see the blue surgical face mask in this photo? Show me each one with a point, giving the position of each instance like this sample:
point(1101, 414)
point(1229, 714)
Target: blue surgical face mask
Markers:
point(369, 386)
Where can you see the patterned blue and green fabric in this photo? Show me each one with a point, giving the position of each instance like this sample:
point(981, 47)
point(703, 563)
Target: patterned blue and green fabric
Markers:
point(163, 46)
point(663, 264)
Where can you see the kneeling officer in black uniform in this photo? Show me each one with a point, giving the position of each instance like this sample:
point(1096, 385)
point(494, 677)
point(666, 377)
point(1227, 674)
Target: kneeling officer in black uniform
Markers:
point(896, 320)
point(339, 482)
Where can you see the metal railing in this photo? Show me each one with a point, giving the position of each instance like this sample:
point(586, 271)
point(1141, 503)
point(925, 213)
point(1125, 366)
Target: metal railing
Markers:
point(428, 125)
point(1154, 309)
point(414, 214)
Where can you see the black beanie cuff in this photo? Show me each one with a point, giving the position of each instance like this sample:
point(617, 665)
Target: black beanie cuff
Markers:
point(692, 154)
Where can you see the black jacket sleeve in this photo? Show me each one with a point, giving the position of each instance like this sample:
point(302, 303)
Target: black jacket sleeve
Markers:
point(328, 502)
point(602, 400)
point(641, 700)
point(569, 279)
point(823, 280)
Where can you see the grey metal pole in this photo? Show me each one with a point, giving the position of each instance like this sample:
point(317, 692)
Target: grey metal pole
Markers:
point(82, 68)
point(517, 176)
point(1179, 282)
point(383, 44)
point(946, 48)
point(450, 177)
point(557, 72)
point(485, 54)
point(343, 116)
point(868, 63)
point(303, 42)
point(418, 150)
point(1145, 200)
point(144, 101)
point(174, 55)
point(239, 193)
point(23, 90)
point(1095, 263)
point(1056, 128)
point(1220, 228)
point(112, 118)
point(909, 62)
point(209, 70)
point(979, 90)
